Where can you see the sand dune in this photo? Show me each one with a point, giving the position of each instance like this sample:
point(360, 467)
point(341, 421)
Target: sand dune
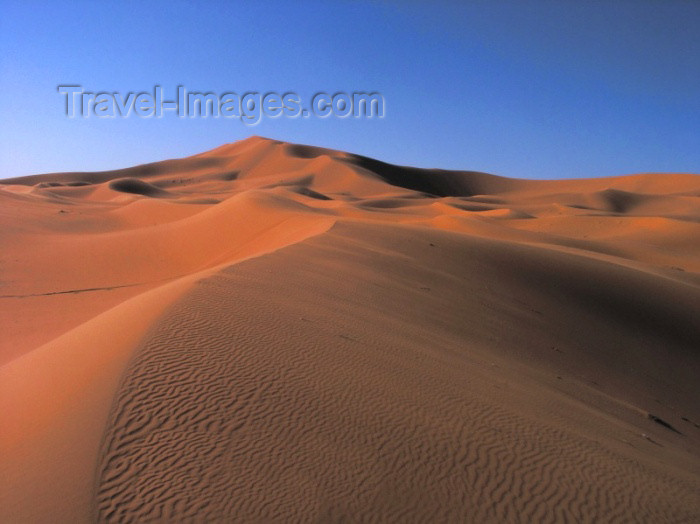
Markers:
point(275, 332)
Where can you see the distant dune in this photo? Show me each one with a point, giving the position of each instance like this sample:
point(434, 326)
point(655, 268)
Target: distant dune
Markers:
point(272, 332)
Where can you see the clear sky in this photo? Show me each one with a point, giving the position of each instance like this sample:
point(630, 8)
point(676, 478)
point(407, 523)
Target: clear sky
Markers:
point(536, 89)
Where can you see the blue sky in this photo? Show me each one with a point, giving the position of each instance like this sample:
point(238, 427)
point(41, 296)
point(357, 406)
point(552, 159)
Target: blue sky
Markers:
point(538, 89)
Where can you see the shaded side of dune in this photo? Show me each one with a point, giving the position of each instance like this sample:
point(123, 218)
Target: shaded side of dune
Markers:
point(137, 187)
point(305, 386)
point(436, 182)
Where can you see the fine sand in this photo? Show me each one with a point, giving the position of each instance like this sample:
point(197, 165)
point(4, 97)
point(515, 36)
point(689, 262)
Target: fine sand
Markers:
point(270, 332)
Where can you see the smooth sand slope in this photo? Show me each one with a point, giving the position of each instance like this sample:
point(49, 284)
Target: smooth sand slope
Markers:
point(270, 332)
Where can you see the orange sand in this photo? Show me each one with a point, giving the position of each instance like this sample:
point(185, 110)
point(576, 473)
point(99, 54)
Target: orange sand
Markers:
point(274, 332)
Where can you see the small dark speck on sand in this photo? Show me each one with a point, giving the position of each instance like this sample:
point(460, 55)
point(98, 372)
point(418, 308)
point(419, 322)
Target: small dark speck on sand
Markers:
point(663, 423)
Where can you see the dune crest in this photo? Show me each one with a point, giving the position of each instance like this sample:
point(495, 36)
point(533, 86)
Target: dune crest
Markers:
point(270, 331)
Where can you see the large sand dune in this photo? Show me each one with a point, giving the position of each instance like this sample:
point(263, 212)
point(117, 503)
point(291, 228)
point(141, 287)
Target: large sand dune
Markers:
point(271, 332)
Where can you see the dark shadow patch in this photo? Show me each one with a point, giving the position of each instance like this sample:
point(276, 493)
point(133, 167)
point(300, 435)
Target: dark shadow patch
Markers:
point(621, 201)
point(663, 423)
point(435, 182)
point(228, 176)
point(302, 151)
point(199, 201)
point(389, 203)
point(137, 187)
point(311, 193)
point(300, 181)
point(473, 207)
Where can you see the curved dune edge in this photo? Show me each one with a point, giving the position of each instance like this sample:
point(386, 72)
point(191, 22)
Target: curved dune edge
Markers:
point(55, 400)
point(414, 344)
point(84, 270)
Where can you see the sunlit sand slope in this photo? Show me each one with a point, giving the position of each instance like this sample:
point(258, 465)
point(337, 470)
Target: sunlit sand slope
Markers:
point(273, 332)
